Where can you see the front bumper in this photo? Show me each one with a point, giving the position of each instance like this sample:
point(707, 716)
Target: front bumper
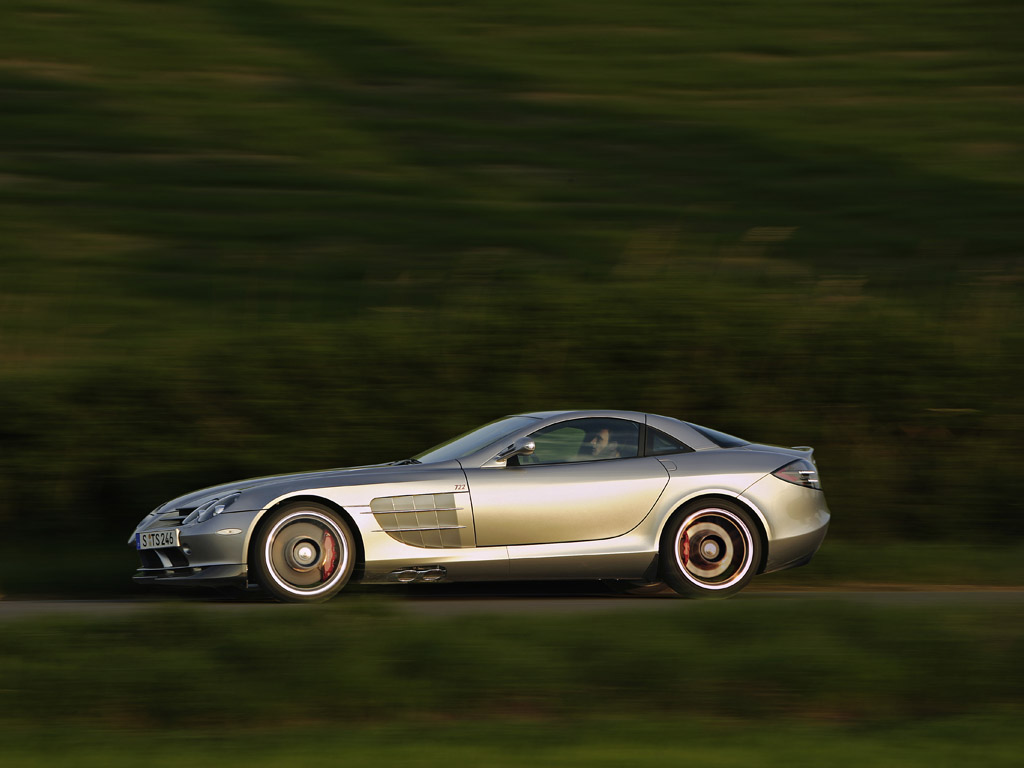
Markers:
point(209, 575)
point(208, 553)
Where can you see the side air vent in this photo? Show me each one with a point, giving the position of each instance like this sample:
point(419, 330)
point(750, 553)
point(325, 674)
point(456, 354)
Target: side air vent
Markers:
point(429, 520)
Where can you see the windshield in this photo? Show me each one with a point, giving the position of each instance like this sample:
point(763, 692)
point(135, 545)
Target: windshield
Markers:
point(475, 439)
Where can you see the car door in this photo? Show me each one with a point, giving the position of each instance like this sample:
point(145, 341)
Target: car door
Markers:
point(586, 480)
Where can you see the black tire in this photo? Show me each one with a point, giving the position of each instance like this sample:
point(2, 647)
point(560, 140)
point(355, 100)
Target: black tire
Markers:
point(710, 550)
point(305, 553)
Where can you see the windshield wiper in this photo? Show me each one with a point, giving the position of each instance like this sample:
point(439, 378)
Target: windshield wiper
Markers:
point(405, 461)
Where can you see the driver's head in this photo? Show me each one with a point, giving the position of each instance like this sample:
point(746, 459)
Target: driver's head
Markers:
point(600, 443)
point(599, 440)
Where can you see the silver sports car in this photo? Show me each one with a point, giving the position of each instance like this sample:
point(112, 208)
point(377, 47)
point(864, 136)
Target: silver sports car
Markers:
point(612, 495)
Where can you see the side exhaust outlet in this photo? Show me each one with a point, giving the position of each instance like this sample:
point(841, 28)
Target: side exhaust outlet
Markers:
point(410, 575)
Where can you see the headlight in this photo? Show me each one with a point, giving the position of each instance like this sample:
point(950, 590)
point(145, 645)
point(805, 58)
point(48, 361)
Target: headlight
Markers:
point(210, 509)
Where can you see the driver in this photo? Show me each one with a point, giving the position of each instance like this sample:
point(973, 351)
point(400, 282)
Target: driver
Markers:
point(600, 445)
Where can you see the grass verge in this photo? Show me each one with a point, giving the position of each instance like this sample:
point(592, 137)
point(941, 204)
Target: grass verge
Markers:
point(359, 661)
point(992, 740)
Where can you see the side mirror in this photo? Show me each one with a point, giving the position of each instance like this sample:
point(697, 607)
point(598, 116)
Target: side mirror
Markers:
point(524, 446)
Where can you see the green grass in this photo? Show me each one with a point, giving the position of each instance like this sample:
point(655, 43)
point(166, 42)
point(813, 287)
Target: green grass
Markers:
point(767, 682)
point(617, 741)
point(361, 660)
point(871, 564)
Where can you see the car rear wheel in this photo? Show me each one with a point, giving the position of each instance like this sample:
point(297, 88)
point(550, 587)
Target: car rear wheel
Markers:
point(304, 553)
point(710, 550)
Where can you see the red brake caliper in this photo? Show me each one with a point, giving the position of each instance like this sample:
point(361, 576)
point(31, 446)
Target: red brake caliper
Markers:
point(686, 548)
point(330, 561)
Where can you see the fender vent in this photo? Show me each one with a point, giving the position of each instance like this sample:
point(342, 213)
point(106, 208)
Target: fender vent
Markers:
point(429, 520)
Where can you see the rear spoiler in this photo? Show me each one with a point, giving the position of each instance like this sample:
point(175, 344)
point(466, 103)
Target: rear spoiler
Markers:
point(805, 449)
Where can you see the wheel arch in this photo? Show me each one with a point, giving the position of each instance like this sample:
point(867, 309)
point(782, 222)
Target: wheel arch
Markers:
point(360, 555)
point(701, 499)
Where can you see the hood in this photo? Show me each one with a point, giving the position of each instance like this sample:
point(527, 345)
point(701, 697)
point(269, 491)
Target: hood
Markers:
point(256, 489)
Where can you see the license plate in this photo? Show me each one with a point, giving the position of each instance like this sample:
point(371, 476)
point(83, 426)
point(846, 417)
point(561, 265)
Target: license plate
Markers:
point(156, 539)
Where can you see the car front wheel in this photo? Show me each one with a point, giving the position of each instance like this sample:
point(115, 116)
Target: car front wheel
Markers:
point(710, 550)
point(304, 553)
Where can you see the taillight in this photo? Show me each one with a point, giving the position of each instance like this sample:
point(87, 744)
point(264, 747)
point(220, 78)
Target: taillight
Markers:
point(800, 472)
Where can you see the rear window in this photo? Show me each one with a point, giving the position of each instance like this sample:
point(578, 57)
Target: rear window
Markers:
point(660, 444)
point(721, 439)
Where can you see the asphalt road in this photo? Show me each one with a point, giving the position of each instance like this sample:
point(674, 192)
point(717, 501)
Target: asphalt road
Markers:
point(503, 600)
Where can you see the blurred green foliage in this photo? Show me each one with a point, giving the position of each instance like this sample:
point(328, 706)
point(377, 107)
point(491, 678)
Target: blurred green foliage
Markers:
point(240, 238)
point(612, 741)
point(357, 661)
point(615, 740)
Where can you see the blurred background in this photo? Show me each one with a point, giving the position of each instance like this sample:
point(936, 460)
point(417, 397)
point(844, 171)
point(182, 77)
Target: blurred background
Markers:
point(255, 237)
point(243, 238)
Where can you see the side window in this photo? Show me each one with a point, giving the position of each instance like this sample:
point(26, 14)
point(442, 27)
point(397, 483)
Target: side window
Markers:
point(584, 440)
point(659, 444)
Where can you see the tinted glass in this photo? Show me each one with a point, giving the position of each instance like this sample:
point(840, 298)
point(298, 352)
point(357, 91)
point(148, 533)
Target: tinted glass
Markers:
point(584, 440)
point(659, 444)
point(475, 439)
point(721, 439)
